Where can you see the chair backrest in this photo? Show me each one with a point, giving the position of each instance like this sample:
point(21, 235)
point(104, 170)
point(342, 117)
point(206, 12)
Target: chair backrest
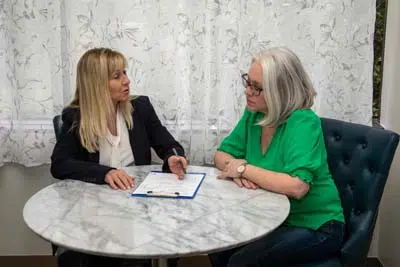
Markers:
point(359, 158)
point(57, 123)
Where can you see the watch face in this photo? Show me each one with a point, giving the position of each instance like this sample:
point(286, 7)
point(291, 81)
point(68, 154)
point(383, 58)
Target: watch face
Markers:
point(240, 168)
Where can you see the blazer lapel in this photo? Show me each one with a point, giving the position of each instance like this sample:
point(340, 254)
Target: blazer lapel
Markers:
point(132, 133)
point(94, 157)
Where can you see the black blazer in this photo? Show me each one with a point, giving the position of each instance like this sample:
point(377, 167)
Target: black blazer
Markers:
point(70, 160)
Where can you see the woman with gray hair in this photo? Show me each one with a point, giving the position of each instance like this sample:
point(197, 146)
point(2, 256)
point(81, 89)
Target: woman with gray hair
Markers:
point(278, 145)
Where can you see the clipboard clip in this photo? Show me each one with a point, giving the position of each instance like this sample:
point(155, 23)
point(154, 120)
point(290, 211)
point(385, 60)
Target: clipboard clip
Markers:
point(162, 194)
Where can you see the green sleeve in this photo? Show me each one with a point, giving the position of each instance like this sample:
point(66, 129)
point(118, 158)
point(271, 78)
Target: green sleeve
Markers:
point(235, 143)
point(304, 150)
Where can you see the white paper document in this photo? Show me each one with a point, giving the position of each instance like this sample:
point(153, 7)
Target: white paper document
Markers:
point(159, 184)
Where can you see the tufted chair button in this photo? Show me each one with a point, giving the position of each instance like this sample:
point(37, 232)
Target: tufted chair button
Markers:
point(346, 161)
point(364, 145)
point(338, 137)
point(371, 169)
point(357, 212)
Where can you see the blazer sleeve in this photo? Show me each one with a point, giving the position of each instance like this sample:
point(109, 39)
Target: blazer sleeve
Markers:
point(67, 160)
point(160, 139)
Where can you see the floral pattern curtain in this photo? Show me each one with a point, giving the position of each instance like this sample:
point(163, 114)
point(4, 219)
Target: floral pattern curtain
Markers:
point(185, 54)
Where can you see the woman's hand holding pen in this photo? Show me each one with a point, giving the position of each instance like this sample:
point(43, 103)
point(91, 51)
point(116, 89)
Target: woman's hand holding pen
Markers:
point(177, 165)
point(119, 179)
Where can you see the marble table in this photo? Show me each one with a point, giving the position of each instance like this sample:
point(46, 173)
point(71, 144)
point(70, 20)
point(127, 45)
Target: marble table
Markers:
point(98, 220)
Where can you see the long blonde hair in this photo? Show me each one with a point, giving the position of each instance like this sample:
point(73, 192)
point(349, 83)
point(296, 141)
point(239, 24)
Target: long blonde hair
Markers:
point(286, 85)
point(92, 95)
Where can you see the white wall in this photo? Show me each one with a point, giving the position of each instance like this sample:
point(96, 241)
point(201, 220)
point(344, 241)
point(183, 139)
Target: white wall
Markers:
point(389, 223)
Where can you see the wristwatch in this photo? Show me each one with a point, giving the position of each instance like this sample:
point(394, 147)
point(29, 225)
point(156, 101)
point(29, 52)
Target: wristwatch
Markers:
point(240, 170)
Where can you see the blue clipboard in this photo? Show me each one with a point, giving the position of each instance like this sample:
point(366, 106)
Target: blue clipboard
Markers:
point(159, 192)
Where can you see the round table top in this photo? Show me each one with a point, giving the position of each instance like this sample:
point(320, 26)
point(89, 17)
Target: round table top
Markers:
point(99, 220)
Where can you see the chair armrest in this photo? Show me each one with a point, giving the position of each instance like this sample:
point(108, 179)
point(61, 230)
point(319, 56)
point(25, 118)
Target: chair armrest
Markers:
point(355, 249)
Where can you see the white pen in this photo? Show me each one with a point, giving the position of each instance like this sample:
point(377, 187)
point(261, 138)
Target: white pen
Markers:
point(162, 194)
point(176, 154)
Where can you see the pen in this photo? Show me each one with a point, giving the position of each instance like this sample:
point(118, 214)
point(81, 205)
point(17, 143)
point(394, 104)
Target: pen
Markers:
point(180, 163)
point(163, 194)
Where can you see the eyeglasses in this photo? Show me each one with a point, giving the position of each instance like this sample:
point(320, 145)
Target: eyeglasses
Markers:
point(255, 90)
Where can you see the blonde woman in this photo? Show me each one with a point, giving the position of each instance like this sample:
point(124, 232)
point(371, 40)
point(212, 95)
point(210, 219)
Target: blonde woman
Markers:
point(104, 129)
point(278, 146)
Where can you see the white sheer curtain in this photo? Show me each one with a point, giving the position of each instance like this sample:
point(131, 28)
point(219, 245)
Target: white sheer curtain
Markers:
point(186, 55)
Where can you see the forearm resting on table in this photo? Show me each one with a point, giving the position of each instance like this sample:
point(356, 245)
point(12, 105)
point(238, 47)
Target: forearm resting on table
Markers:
point(276, 182)
point(221, 158)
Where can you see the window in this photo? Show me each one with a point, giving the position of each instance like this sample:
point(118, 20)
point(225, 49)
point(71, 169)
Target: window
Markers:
point(379, 47)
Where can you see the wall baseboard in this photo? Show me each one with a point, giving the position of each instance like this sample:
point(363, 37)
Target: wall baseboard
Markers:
point(51, 261)
point(31, 261)
point(373, 262)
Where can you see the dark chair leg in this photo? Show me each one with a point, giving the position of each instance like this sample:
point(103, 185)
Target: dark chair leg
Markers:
point(73, 259)
point(173, 262)
point(54, 249)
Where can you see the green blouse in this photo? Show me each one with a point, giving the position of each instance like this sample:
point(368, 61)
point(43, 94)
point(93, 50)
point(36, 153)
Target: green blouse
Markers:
point(298, 149)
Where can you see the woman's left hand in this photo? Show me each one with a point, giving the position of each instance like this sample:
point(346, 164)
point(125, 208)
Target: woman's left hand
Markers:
point(177, 165)
point(241, 182)
point(230, 170)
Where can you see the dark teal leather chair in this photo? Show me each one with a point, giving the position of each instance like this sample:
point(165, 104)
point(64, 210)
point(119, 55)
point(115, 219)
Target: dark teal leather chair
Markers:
point(57, 123)
point(359, 158)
